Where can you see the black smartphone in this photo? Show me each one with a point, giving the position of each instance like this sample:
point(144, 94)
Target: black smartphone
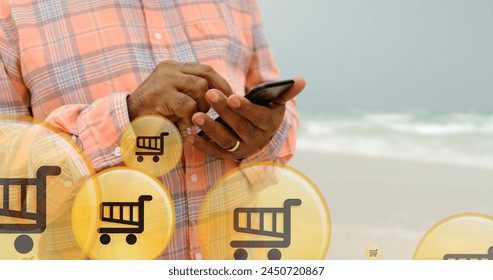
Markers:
point(262, 94)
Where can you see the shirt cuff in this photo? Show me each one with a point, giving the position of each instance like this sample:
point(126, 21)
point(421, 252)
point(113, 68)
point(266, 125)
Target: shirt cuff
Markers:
point(100, 128)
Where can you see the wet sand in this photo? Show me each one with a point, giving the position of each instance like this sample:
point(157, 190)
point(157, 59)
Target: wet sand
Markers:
point(391, 203)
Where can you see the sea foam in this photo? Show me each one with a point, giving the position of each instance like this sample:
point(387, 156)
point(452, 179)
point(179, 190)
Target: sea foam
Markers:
point(464, 139)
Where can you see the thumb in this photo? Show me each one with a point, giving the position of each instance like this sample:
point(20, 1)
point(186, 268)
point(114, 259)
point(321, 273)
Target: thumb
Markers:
point(299, 85)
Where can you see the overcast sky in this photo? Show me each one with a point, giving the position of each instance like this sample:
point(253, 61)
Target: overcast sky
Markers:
point(385, 54)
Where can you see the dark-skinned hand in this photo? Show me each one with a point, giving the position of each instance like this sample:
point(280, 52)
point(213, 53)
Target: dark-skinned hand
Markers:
point(175, 91)
point(253, 125)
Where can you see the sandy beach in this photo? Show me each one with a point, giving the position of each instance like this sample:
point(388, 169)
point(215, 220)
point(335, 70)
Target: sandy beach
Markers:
point(390, 203)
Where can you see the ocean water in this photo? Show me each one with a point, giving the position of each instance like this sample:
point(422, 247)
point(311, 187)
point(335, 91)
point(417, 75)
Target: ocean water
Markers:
point(464, 138)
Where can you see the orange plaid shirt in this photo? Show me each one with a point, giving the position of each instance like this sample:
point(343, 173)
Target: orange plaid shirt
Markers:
point(73, 64)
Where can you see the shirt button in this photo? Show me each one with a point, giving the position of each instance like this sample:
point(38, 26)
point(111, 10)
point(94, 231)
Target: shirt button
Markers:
point(195, 178)
point(199, 256)
point(118, 152)
point(158, 36)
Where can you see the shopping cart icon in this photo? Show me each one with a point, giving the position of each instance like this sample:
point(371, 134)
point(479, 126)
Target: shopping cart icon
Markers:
point(488, 256)
point(153, 146)
point(123, 213)
point(284, 234)
point(22, 217)
point(373, 253)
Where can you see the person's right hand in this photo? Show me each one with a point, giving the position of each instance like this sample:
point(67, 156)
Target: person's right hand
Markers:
point(176, 91)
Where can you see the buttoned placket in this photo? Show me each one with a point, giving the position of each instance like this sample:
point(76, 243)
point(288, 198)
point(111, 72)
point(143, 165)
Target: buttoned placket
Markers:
point(164, 35)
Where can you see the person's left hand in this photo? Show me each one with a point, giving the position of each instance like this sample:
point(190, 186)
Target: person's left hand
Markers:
point(252, 125)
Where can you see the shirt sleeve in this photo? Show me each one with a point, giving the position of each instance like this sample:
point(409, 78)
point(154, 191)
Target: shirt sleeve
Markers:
point(14, 97)
point(263, 68)
point(96, 128)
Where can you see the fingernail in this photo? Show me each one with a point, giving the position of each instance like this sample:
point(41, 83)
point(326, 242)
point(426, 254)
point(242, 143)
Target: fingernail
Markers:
point(199, 121)
point(214, 96)
point(235, 102)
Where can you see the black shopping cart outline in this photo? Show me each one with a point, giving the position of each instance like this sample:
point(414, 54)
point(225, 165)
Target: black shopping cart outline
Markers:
point(153, 144)
point(285, 235)
point(136, 226)
point(24, 243)
point(488, 256)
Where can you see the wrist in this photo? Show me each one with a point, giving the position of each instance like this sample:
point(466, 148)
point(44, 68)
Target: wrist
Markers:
point(132, 107)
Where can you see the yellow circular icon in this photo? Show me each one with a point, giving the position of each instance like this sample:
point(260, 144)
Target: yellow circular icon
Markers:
point(153, 144)
point(123, 213)
point(373, 252)
point(461, 237)
point(264, 211)
point(41, 171)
